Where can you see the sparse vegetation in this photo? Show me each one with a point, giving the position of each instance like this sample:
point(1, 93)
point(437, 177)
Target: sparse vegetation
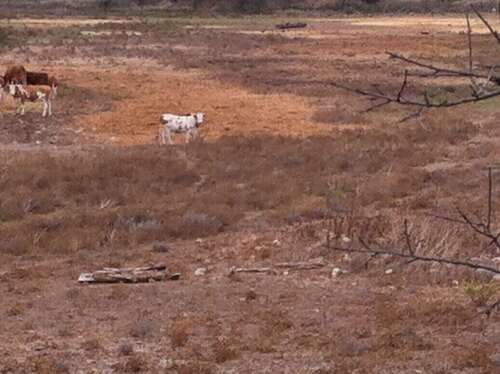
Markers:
point(282, 149)
point(180, 331)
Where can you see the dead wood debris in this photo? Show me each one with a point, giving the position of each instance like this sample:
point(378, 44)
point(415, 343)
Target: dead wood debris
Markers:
point(300, 265)
point(288, 25)
point(129, 275)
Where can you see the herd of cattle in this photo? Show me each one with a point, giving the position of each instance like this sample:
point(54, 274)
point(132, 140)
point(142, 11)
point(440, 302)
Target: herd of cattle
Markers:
point(17, 81)
point(26, 86)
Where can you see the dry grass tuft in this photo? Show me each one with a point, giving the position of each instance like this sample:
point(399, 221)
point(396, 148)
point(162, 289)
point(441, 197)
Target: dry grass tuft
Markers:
point(45, 364)
point(224, 350)
point(126, 349)
point(195, 367)
point(92, 344)
point(180, 331)
point(142, 329)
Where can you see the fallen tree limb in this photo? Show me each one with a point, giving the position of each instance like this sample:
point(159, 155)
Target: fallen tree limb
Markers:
point(129, 275)
point(288, 25)
point(302, 265)
point(235, 270)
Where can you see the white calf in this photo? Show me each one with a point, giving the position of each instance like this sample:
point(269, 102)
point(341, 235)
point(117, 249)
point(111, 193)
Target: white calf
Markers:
point(187, 123)
point(32, 94)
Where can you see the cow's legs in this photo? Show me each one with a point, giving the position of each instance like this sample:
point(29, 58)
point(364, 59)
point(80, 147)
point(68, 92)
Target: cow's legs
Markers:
point(169, 136)
point(161, 135)
point(20, 108)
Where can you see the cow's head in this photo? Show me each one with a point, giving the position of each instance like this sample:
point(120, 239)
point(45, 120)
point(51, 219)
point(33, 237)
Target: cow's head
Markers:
point(198, 118)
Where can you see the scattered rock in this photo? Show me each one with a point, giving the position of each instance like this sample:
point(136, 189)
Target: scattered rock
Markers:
point(346, 239)
point(346, 258)
point(200, 272)
point(336, 272)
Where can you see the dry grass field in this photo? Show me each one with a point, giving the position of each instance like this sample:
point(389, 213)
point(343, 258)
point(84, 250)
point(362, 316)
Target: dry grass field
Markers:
point(281, 148)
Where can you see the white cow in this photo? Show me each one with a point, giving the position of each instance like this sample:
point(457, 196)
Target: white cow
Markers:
point(172, 123)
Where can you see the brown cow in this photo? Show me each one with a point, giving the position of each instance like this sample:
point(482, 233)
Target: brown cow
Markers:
point(15, 74)
point(42, 79)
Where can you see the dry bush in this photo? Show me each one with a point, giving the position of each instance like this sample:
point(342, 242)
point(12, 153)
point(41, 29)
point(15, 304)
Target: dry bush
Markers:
point(477, 356)
point(142, 329)
point(126, 349)
point(16, 310)
point(92, 344)
point(225, 349)
point(120, 292)
point(402, 339)
point(135, 364)
point(480, 293)
point(180, 331)
point(123, 197)
point(45, 364)
point(195, 367)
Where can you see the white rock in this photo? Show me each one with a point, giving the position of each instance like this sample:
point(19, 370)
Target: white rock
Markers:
point(276, 242)
point(285, 272)
point(200, 272)
point(336, 272)
point(497, 278)
point(346, 239)
point(389, 271)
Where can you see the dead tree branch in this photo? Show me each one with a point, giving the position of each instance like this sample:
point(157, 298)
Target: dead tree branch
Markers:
point(439, 71)
point(487, 24)
point(410, 252)
point(413, 257)
point(481, 227)
point(422, 101)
